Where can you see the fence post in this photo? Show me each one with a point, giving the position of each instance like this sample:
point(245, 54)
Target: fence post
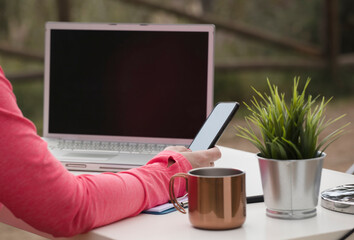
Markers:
point(64, 10)
point(331, 39)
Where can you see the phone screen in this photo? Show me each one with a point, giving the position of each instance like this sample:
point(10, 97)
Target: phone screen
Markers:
point(214, 126)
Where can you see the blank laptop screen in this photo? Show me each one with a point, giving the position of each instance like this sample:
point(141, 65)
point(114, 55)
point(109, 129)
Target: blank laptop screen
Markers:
point(128, 83)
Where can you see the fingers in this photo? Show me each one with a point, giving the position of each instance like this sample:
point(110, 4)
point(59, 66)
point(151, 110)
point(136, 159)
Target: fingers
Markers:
point(211, 155)
point(205, 158)
point(178, 149)
point(214, 154)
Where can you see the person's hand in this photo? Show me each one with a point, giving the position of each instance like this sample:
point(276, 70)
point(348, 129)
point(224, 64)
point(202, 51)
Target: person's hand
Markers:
point(205, 158)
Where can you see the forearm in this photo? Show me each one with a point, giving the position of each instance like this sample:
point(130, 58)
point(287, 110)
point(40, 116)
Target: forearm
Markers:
point(64, 205)
point(35, 186)
point(130, 192)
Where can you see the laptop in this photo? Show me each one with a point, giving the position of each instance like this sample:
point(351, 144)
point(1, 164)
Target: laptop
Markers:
point(117, 94)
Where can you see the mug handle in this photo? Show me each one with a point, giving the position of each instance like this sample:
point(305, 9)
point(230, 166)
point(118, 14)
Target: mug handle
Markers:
point(172, 191)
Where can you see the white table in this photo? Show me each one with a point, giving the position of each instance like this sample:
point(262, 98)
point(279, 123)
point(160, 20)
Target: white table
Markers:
point(326, 225)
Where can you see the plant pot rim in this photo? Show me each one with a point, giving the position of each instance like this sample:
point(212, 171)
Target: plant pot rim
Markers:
point(323, 155)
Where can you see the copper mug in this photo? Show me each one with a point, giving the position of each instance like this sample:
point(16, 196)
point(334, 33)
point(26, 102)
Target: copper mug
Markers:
point(216, 197)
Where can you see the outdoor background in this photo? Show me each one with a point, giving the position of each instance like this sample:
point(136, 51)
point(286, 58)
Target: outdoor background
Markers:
point(255, 40)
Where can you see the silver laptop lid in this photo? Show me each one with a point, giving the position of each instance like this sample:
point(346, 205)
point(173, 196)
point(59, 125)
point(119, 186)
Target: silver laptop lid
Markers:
point(127, 82)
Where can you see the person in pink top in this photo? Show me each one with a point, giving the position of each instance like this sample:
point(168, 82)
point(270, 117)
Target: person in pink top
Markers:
point(36, 188)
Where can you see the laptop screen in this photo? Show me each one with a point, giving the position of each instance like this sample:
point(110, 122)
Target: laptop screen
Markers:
point(131, 83)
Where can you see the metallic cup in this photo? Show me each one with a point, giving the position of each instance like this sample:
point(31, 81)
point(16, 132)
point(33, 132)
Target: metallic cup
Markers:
point(217, 197)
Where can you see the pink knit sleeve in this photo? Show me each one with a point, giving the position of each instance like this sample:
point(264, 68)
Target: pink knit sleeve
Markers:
point(39, 190)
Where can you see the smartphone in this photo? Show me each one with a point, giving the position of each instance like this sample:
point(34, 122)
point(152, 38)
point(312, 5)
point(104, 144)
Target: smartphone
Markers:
point(214, 126)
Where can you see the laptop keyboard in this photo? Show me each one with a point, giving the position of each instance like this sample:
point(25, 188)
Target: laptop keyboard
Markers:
point(141, 148)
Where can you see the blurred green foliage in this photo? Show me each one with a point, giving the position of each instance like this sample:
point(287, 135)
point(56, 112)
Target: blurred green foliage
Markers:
point(22, 27)
point(29, 96)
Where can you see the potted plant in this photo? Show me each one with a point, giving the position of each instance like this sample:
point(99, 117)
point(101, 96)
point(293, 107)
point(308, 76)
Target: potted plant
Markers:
point(290, 153)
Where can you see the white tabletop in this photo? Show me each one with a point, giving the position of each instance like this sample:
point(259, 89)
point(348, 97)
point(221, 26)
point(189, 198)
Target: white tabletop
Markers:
point(326, 225)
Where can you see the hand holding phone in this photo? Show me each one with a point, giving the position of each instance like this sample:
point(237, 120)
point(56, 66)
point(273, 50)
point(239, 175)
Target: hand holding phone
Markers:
point(214, 126)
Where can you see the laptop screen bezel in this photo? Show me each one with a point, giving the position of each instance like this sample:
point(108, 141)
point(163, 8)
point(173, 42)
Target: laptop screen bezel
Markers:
point(208, 28)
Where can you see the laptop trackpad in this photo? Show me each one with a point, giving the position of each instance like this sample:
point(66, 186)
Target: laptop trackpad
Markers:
point(134, 159)
point(88, 156)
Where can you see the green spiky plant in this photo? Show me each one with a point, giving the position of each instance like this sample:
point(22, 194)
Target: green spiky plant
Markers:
point(289, 131)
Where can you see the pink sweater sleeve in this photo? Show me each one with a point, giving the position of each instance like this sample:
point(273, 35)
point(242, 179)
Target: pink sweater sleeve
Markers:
point(39, 190)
